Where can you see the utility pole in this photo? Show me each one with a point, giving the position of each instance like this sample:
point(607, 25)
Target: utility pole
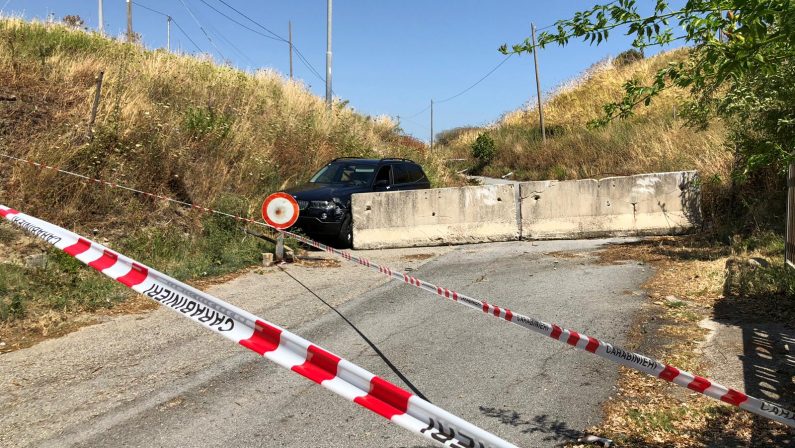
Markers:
point(290, 37)
point(431, 124)
point(101, 28)
point(328, 54)
point(129, 22)
point(538, 85)
point(168, 33)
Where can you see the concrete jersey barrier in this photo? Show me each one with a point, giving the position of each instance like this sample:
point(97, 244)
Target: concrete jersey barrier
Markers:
point(645, 204)
point(435, 217)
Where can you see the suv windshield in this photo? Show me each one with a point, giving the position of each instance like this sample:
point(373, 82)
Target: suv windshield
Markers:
point(344, 173)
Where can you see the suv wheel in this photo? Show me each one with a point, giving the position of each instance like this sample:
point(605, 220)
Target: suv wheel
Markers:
point(345, 238)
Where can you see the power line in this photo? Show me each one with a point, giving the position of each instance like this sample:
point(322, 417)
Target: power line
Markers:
point(4, 6)
point(416, 123)
point(417, 113)
point(276, 36)
point(187, 36)
point(207, 35)
point(298, 52)
point(476, 82)
point(172, 20)
point(494, 69)
point(362, 335)
point(426, 108)
point(240, 23)
point(150, 9)
point(231, 44)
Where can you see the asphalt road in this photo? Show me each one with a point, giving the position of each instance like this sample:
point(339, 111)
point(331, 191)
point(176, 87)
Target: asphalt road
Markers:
point(159, 380)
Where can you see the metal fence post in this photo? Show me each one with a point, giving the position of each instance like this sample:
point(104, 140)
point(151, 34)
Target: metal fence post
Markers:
point(95, 105)
point(790, 247)
point(279, 255)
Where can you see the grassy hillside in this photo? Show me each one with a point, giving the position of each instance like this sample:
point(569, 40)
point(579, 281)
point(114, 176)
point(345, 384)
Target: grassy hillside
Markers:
point(656, 139)
point(167, 123)
point(176, 125)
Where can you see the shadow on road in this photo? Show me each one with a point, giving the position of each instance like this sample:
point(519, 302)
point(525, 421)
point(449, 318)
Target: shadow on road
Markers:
point(552, 430)
point(768, 359)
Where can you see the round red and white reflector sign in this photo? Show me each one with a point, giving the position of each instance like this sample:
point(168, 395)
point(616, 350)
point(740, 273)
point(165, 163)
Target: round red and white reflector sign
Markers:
point(280, 210)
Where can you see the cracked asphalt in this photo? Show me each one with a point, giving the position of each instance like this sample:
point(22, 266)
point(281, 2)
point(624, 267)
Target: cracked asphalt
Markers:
point(159, 380)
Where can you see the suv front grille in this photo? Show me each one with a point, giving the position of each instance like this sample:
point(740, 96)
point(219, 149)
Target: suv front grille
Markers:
point(302, 205)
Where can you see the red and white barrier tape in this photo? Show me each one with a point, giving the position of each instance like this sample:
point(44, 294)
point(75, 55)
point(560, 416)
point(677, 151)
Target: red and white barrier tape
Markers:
point(277, 344)
point(605, 350)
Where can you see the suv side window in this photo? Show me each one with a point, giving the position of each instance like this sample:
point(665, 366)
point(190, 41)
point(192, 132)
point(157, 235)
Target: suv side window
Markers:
point(383, 174)
point(408, 173)
point(402, 175)
point(415, 173)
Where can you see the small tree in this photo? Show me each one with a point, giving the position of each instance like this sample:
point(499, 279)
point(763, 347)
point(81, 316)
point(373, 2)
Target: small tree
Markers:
point(483, 150)
point(628, 57)
point(74, 21)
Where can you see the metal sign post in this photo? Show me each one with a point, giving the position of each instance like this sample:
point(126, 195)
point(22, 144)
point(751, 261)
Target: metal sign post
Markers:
point(279, 253)
point(790, 248)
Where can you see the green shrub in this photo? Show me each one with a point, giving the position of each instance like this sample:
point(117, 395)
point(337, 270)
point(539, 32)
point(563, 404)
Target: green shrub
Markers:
point(484, 150)
point(628, 57)
point(202, 122)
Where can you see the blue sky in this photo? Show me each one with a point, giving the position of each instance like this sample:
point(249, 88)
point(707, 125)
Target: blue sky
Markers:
point(389, 57)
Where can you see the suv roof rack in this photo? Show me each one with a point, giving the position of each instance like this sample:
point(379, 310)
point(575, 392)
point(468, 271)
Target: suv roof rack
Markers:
point(385, 159)
point(397, 159)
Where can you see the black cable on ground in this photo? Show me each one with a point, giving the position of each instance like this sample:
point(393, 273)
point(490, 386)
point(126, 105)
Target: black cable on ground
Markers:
point(368, 341)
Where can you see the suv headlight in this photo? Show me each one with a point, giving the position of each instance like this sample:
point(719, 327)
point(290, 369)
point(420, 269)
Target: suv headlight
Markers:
point(322, 205)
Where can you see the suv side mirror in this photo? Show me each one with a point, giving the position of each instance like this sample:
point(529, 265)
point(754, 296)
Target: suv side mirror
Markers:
point(381, 185)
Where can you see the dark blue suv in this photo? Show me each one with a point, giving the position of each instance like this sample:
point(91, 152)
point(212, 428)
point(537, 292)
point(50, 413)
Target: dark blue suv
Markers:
point(325, 201)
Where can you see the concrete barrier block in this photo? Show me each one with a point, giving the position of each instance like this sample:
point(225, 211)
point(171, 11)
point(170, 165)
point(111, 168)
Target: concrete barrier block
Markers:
point(435, 217)
point(645, 204)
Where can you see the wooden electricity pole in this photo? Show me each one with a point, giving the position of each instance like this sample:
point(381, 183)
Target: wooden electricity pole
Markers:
point(538, 86)
point(290, 37)
point(129, 22)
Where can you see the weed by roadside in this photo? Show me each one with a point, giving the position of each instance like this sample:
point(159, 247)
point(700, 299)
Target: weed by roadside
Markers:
point(697, 278)
point(48, 298)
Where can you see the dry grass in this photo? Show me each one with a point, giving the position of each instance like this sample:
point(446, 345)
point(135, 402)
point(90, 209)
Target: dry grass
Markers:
point(654, 140)
point(171, 124)
point(167, 123)
point(647, 412)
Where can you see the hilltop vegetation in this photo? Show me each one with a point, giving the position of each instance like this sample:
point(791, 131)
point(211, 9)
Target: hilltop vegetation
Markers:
point(655, 139)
